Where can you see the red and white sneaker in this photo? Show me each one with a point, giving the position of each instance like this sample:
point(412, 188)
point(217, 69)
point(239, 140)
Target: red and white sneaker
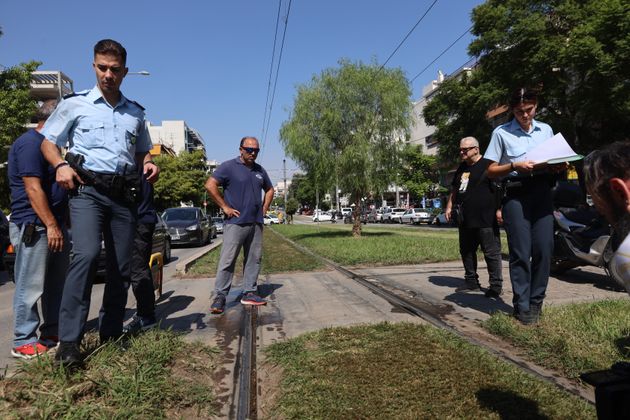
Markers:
point(252, 299)
point(28, 351)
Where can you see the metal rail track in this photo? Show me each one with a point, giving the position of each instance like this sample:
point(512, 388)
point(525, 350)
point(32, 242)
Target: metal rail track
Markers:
point(413, 309)
point(246, 403)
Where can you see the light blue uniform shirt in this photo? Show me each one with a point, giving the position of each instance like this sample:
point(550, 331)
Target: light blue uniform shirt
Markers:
point(108, 137)
point(509, 142)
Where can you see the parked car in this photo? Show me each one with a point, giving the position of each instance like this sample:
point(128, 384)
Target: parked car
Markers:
point(218, 224)
point(322, 216)
point(161, 243)
point(346, 210)
point(394, 215)
point(188, 225)
point(271, 219)
point(375, 216)
point(440, 220)
point(417, 216)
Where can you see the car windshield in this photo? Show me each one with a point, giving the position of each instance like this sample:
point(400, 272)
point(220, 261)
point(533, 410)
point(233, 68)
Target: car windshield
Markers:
point(179, 214)
point(398, 210)
point(217, 219)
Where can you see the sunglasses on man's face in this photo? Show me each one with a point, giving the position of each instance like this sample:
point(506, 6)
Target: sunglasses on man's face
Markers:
point(251, 150)
point(466, 149)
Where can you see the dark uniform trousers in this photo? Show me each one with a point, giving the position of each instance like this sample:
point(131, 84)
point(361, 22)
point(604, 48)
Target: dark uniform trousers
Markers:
point(489, 238)
point(92, 213)
point(528, 221)
point(141, 278)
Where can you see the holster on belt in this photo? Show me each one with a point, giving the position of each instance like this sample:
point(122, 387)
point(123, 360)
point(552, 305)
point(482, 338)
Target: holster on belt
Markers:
point(123, 188)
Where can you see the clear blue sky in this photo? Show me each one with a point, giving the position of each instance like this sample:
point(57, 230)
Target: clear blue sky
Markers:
point(210, 60)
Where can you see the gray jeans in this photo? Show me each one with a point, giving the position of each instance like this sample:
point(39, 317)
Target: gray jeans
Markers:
point(248, 236)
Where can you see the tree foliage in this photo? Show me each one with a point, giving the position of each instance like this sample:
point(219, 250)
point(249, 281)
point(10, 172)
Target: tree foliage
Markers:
point(303, 190)
point(576, 51)
point(16, 110)
point(419, 173)
point(345, 126)
point(182, 179)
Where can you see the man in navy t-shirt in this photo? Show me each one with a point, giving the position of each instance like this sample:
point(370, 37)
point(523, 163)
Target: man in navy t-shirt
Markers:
point(243, 204)
point(37, 230)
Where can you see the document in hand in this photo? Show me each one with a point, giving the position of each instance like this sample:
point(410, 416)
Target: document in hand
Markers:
point(553, 150)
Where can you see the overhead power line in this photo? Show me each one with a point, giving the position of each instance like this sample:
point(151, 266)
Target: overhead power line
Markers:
point(408, 33)
point(441, 54)
point(273, 56)
point(275, 83)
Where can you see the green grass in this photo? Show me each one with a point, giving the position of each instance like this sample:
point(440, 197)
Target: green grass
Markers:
point(376, 246)
point(157, 376)
point(278, 257)
point(572, 338)
point(407, 371)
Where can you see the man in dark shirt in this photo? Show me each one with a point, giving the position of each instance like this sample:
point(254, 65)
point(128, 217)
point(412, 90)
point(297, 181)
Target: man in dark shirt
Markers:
point(37, 230)
point(478, 201)
point(243, 182)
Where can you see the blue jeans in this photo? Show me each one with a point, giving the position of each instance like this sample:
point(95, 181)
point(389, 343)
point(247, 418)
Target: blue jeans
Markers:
point(249, 237)
point(38, 273)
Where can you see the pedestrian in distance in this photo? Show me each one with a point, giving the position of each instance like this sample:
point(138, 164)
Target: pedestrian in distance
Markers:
point(39, 237)
point(247, 194)
point(527, 205)
point(108, 147)
point(607, 177)
point(141, 276)
point(477, 199)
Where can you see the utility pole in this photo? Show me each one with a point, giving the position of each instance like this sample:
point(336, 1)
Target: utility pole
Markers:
point(284, 167)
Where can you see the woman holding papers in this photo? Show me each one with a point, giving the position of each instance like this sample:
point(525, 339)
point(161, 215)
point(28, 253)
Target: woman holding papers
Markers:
point(527, 207)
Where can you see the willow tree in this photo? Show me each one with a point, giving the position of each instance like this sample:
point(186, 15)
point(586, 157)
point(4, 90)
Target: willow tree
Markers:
point(345, 128)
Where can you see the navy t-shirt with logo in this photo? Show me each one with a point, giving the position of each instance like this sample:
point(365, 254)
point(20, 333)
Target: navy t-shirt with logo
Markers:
point(243, 189)
point(26, 160)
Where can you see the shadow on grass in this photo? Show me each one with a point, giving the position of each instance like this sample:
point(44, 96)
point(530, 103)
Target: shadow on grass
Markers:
point(509, 405)
point(599, 280)
point(339, 234)
point(473, 300)
point(623, 344)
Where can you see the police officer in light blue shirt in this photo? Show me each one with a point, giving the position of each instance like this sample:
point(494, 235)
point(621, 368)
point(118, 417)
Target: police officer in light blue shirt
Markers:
point(527, 207)
point(109, 131)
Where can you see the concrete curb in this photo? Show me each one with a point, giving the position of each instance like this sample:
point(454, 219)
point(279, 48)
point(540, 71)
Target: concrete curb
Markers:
point(184, 265)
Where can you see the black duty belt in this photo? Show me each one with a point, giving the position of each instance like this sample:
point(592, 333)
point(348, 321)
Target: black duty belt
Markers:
point(522, 183)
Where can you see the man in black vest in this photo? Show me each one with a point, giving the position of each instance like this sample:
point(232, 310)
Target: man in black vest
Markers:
point(477, 200)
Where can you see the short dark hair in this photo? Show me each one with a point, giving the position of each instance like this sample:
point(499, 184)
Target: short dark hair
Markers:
point(109, 46)
point(522, 95)
point(613, 161)
point(248, 137)
point(45, 110)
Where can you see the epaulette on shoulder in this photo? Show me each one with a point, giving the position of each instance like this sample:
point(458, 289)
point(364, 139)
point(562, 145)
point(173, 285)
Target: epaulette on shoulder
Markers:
point(137, 104)
point(73, 94)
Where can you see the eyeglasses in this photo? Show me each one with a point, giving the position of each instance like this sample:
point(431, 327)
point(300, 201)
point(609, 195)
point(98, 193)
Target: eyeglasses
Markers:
point(466, 149)
point(251, 150)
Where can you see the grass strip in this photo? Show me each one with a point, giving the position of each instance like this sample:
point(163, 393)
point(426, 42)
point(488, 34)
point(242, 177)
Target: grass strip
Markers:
point(278, 257)
point(376, 246)
point(156, 375)
point(572, 338)
point(407, 371)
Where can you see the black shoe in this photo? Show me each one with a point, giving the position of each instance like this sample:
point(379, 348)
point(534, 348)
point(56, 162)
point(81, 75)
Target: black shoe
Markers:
point(536, 310)
point(493, 293)
point(525, 318)
point(469, 286)
point(218, 305)
point(68, 355)
point(140, 324)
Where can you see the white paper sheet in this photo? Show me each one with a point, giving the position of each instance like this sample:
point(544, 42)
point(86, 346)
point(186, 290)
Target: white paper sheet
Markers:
point(555, 148)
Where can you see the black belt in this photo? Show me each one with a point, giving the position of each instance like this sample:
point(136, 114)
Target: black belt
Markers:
point(526, 182)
